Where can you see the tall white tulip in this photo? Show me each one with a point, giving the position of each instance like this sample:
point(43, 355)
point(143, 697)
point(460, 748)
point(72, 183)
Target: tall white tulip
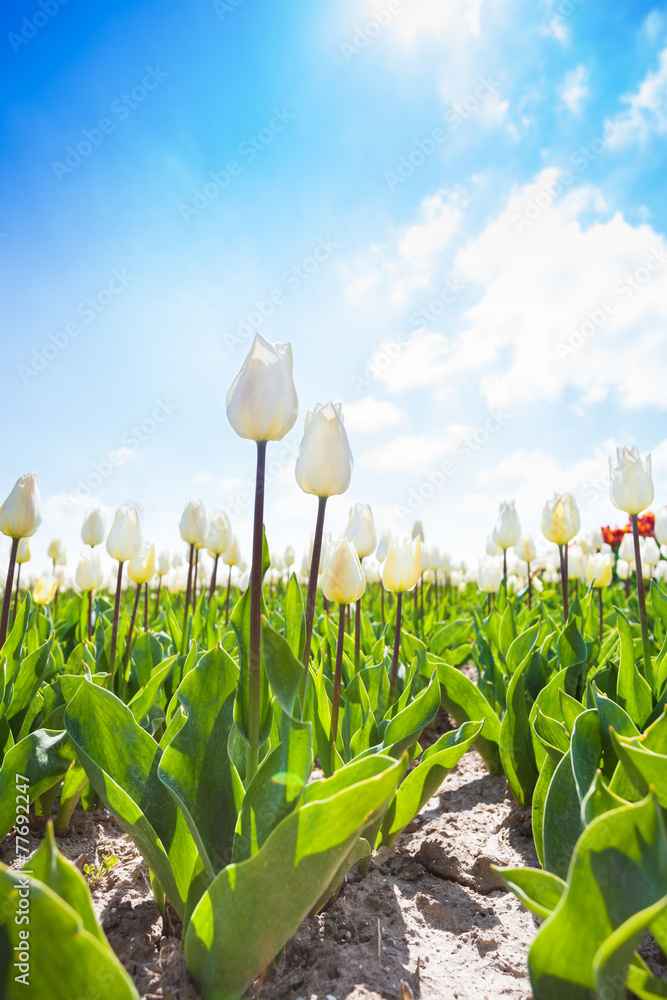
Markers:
point(23, 551)
point(194, 523)
point(324, 462)
point(383, 546)
point(626, 549)
point(141, 569)
point(89, 575)
point(219, 536)
point(490, 575)
point(126, 535)
point(163, 563)
point(560, 519)
point(631, 481)
point(526, 550)
point(262, 403)
point(507, 532)
point(21, 513)
point(56, 552)
point(92, 530)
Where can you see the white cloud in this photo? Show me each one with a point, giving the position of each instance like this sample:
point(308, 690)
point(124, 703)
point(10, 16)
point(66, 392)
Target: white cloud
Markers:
point(564, 303)
point(575, 89)
point(446, 18)
point(647, 108)
point(416, 360)
point(414, 454)
point(371, 414)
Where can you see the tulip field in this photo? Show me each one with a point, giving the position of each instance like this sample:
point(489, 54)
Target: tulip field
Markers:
point(257, 731)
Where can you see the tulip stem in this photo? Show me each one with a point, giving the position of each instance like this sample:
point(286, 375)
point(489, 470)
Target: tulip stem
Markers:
point(255, 650)
point(214, 577)
point(16, 593)
point(397, 646)
point(357, 634)
point(421, 603)
point(188, 592)
point(641, 597)
point(90, 614)
point(488, 604)
point(382, 600)
point(145, 607)
point(114, 627)
point(563, 581)
point(530, 588)
point(128, 644)
point(601, 612)
point(335, 705)
point(229, 587)
point(157, 596)
point(311, 596)
point(194, 586)
point(7, 599)
point(505, 568)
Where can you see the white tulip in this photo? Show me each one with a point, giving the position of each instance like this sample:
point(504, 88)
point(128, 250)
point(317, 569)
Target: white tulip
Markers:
point(324, 463)
point(576, 563)
point(383, 546)
point(626, 549)
point(361, 529)
point(650, 551)
point(92, 530)
point(560, 519)
point(163, 563)
point(490, 575)
point(599, 570)
point(232, 556)
point(141, 569)
point(262, 403)
point(660, 527)
point(23, 551)
point(21, 513)
point(194, 524)
point(403, 566)
point(631, 481)
point(526, 549)
point(507, 531)
point(89, 575)
point(219, 536)
point(126, 535)
point(343, 580)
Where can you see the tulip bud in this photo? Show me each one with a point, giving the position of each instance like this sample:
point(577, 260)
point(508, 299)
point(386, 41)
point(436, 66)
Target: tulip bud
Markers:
point(576, 563)
point(526, 549)
point(560, 519)
point(193, 526)
point(403, 566)
point(596, 538)
point(289, 556)
point(163, 563)
point(219, 534)
point(631, 481)
point(262, 404)
point(361, 529)
point(383, 546)
point(45, 590)
point(141, 569)
point(324, 463)
point(491, 548)
point(21, 513)
point(599, 570)
point(56, 551)
point(92, 531)
point(650, 552)
point(23, 551)
point(626, 549)
point(624, 569)
point(126, 535)
point(507, 531)
point(343, 580)
point(89, 574)
point(490, 575)
point(232, 557)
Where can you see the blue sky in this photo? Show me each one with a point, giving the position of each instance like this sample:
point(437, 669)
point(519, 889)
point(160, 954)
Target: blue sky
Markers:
point(438, 197)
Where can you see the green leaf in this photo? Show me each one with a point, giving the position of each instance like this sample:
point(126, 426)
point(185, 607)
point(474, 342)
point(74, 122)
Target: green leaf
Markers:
point(295, 621)
point(425, 779)
point(406, 727)
point(66, 960)
point(283, 669)
point(47, 865)
point(612, 716)
point(282, 882)
point(539, 802)
point(466, 703)
point(240, 621)
point(659, 602)
point(562, 818)
point(586, 751)
point(121, 761)
point(195, 765)
point(539, 891)
point(618, 873)
point(632, 691)
point(42, 757)
point(516, 745)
